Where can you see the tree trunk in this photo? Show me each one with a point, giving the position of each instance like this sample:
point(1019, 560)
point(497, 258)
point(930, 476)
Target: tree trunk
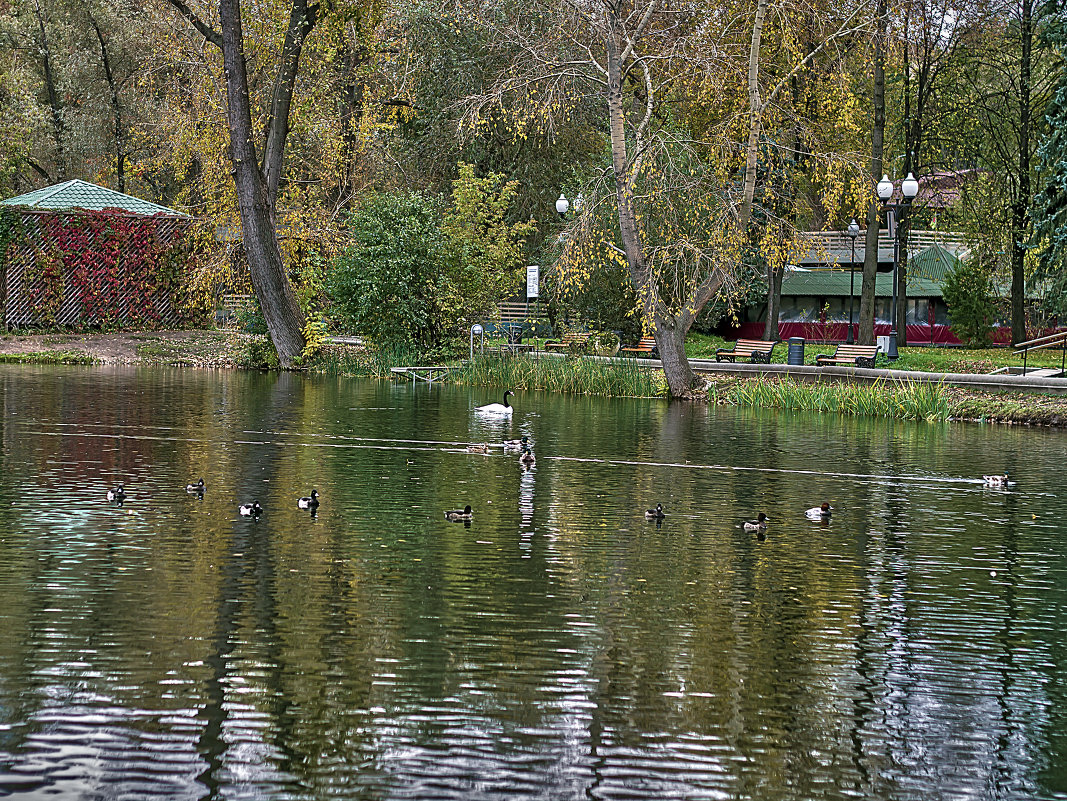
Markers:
point(870, 257)
point(301, 20)
point(1020, 212)
point(755, 113)
point(774, 304)
point(670, 340)
point(116, 108)
point(276, 298)
point(901, 321)
point(59, 130)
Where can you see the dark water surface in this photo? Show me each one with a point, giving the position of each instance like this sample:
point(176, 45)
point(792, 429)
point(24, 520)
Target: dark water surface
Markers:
point(561, 646)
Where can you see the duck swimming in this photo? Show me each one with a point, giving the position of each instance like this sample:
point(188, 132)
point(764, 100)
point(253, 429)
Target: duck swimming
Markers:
point(310, 502)
point(819, 512)
point(460, 515)
point(497, 408)
point(250, 509)
point(527, 456)
point(516, 444)
point(655, 514)
point(197, 487)
point(996, 481)
point(116, 494)
point(759, 524)
point(483, 448)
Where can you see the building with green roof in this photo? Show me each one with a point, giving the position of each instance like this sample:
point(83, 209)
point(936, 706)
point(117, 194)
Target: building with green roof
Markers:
point(78, 194)
point(815, 301)
point(78, 254)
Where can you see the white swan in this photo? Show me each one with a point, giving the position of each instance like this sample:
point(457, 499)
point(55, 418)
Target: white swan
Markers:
point(497, 408)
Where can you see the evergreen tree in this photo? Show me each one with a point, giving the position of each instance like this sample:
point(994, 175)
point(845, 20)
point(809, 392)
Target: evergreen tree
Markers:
point(1050, 200)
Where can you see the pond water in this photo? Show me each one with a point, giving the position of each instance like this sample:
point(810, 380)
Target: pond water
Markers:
point(560, 646)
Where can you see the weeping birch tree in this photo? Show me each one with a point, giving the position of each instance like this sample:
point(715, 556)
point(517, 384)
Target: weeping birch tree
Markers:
point(674, 202)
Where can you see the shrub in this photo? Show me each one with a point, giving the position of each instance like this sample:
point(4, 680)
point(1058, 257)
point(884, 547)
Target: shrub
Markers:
point(968, 293)
point(385, 286)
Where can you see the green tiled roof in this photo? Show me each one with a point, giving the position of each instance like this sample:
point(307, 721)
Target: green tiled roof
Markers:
point(830, 283)
point(83, 195)
point(934, 264)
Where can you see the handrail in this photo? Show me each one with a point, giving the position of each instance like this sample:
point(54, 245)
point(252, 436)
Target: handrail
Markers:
point(1044, 342)
point(1051, 339)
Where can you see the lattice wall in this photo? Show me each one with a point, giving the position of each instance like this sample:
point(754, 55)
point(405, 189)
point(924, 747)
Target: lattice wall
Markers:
point(42, 285)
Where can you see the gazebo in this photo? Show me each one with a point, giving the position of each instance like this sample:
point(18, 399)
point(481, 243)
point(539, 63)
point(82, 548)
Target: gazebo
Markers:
point(80, 255)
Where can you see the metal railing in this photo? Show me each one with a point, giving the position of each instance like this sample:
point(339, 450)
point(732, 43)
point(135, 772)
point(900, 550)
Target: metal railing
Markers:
point(1051, 341)
point(835, 246)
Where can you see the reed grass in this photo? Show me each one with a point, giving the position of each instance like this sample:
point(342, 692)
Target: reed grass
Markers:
point(625, 378)
point(909, 400)
point(373, 363)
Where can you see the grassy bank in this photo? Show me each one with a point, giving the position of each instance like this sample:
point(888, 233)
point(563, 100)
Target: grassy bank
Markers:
point(626, 378)
point(47, 357)
point(933, 402)
point(909, 401)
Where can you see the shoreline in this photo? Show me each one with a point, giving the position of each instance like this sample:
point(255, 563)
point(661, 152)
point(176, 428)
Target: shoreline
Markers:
point(229, 349)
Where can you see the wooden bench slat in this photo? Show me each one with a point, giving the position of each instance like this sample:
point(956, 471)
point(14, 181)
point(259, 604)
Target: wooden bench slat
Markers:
point(758, 351)
point(645, 345)
point(856, 355)
point(573, 338)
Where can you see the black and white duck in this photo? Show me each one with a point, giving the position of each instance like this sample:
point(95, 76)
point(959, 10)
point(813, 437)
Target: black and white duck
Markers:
point(655, 514)
point(759, 524)
point(460, 515)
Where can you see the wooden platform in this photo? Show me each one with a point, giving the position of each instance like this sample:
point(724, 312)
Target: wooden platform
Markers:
point(427, 374)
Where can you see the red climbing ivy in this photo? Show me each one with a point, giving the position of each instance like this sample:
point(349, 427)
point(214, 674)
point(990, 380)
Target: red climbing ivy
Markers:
point(117, 267)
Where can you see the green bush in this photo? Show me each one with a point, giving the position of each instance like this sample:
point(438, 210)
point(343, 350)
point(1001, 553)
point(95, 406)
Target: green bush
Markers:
point(968, 293)
point(385, 286)
point(257, 353)
point(249, 317)
point(486, 250)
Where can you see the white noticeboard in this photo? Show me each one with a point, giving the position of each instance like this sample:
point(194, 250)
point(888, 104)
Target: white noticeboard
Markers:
point(532, 275)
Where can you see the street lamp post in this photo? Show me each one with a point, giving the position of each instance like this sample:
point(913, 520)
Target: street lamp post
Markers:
point(853, 231)
point(909, 188)
point(562, 204)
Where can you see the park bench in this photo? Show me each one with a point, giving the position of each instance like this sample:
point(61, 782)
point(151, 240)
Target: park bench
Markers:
point(758, 351)
point(646, 345)
point(574, 340)
point(856, 355)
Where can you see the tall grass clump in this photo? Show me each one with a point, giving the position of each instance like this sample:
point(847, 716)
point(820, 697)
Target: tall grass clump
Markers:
point(373, 362)
point(622, 378)
point(909, 400)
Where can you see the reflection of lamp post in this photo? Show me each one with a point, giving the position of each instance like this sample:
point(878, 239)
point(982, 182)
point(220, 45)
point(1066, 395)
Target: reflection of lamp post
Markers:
point(853, 231)
point(909, 188)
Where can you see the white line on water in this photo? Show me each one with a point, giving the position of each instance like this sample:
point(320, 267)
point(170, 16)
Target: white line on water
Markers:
point(427, 446)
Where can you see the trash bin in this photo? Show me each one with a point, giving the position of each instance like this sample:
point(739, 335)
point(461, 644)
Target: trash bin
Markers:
point(796, 350)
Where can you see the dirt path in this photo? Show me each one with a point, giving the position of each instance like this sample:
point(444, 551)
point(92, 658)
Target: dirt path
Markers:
point(134, 347)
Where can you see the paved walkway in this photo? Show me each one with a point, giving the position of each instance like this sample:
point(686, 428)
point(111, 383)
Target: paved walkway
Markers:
point(806, 372)
point(811, 373)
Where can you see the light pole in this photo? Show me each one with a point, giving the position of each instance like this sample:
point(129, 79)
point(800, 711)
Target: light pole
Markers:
point(909, 188)
point(477, 330)
point(562, 204)
point(853, 231)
